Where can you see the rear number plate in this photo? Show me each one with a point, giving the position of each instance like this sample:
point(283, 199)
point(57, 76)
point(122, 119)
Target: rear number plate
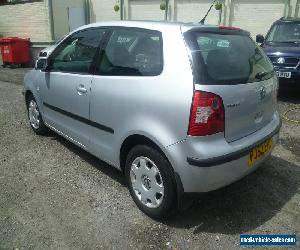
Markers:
point(259, 152)
point(284, 74)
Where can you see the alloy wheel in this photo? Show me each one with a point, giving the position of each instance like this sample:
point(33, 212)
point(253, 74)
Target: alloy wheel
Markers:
point(34, 114)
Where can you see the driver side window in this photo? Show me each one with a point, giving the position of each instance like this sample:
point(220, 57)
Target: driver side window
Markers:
point(76, 53)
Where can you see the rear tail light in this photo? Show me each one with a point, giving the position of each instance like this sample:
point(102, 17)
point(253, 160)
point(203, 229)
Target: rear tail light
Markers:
point(207, 114)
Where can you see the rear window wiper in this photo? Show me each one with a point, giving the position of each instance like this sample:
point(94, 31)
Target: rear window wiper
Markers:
point(261, 75)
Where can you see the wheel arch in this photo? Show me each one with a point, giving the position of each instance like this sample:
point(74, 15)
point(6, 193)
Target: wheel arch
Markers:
point(27, 94)
point(134, 140)
point(138, 139)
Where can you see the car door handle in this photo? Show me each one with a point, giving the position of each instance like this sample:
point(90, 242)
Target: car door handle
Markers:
point(81, 89)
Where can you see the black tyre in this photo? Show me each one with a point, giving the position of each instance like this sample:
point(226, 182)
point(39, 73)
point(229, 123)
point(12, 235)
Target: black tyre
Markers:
point(35, 119)
point(150, 180)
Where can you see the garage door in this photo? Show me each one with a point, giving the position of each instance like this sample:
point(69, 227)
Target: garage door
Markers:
point(256, 16)
point(195, 10)
point(145, 10)
point(103, 10)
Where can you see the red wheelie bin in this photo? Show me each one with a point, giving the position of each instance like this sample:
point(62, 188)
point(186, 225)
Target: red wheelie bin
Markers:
point(15, 51)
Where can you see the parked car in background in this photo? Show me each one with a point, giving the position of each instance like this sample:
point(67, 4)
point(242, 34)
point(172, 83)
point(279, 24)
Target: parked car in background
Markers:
point(282, 45)
point(178, 108)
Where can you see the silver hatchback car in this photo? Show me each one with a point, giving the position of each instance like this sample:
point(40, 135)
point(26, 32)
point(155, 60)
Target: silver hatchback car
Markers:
point(179, 108)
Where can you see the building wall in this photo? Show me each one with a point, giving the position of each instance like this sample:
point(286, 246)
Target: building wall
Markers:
point(145, 10)
point(103, 10)
point(194, 11)
point(27, 20)
point(255, 16)
point(60, 15)
point(32, 19)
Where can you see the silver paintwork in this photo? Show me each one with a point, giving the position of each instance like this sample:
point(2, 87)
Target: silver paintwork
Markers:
point(204, 179)
point(66, 136)
point(147, 182)
point(158, 108)
point(66, 91)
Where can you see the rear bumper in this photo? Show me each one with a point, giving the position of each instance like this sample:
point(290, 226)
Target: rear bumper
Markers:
point(205, 173)
point(231, 156)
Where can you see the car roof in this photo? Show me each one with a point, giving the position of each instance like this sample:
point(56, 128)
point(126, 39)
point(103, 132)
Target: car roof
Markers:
point(288, 20)
point(154, 25)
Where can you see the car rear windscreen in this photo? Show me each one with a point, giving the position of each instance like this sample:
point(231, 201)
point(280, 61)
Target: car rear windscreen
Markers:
point(229, 57)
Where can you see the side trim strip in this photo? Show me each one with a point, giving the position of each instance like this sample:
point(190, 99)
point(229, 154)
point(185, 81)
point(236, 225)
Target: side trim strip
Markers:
point(79, 118)
point(229, 157)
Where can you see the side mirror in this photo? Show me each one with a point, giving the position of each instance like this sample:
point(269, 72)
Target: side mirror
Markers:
point(42, 64)
point(43, 54)
point(260, 39)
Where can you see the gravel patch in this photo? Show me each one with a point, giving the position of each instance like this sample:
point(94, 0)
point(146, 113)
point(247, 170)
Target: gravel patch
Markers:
point(56, 196)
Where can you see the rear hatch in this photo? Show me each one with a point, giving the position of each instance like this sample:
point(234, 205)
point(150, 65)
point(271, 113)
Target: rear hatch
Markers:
point(227, 62)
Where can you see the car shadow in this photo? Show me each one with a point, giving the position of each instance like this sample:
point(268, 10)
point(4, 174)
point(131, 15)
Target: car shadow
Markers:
point(235, 209)
point(244, 205)
point(289, 96)
point(102, 166)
